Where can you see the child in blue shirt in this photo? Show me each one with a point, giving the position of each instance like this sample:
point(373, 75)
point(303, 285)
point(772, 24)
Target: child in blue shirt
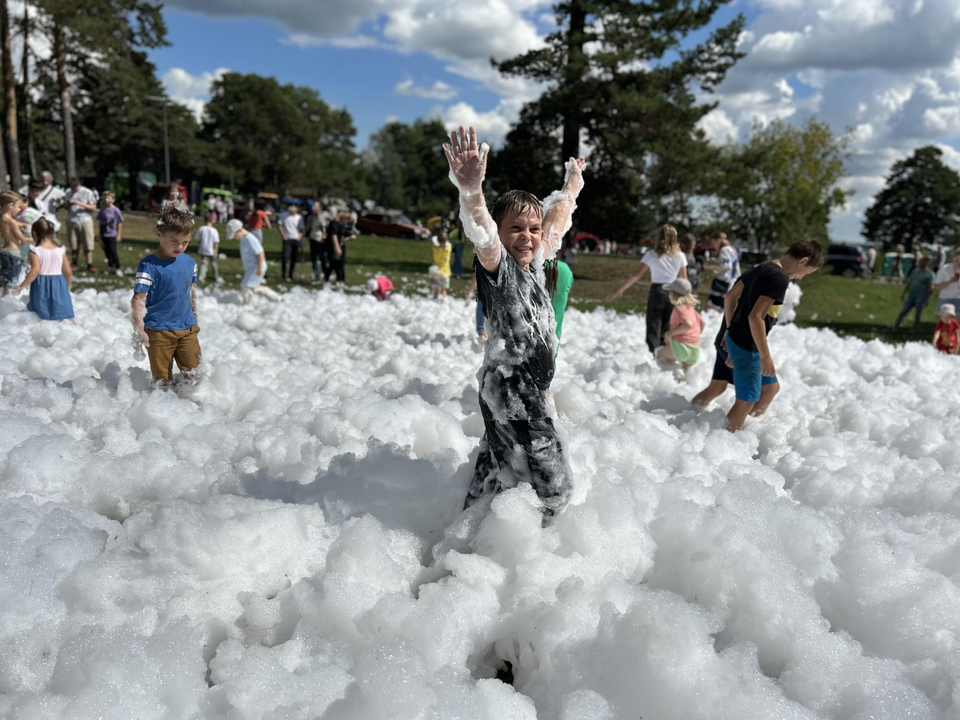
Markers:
point(165, 302)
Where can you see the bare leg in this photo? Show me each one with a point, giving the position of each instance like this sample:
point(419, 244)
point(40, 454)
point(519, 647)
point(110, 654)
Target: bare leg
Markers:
point(714, 390)
point(767, 394)
point(267, 293)
point(665, 353)
point(738, 414)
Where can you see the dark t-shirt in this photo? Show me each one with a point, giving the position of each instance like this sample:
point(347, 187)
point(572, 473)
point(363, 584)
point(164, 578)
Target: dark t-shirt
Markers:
point(519, 362)
point(334, 228)
point(765, 280)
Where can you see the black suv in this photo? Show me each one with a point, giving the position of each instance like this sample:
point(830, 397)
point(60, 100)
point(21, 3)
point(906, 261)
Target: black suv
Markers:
point(848, 260)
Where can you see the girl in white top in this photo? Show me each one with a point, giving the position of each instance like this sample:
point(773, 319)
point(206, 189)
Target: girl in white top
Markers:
point(50, 275)
point(666, 263)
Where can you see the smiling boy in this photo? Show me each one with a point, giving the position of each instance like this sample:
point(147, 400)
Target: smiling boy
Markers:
point(520, 443)
point(164, 299)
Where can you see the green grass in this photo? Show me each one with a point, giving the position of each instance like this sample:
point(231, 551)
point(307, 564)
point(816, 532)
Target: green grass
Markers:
point(863, 308)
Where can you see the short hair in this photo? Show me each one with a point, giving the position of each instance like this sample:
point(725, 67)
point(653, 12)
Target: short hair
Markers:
point(35, 184)
point(688, 242)
point(8, 198)
point(73, 181)
point(109, 193)
point(517, 201)
point(174, 221)
point(809, 249)
point(43, 229)
point(46, 173)
point(208, 217)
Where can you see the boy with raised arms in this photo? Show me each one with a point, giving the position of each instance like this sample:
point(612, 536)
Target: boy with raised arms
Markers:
point(520, 443)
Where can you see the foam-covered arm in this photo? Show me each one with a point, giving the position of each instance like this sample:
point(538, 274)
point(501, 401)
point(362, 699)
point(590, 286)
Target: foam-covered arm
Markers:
point(559, 206)
point(481, 230)
point(139, 309)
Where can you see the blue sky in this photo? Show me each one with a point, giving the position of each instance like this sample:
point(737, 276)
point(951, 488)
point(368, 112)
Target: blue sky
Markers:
point(886, 71)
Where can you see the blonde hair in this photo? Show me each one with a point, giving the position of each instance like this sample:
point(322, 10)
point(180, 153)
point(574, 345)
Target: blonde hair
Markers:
point(688, 300)
point(667, 241)
point(8, 198)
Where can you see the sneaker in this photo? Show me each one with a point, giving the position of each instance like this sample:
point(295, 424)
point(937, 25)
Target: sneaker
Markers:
point(118, 272)
point(91, 269)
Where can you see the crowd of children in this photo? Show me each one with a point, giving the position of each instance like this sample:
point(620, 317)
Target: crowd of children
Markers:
point(522, 293)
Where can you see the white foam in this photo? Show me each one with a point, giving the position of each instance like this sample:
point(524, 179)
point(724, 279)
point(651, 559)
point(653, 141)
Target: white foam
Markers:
point(285, 540)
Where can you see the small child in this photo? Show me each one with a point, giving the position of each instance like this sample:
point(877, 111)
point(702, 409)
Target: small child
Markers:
point(16, 246)
point(111, 231)
point(520, 442)
point(686, 326)
point(380, 287)
point(945, 336)
point(50, 276)
point(165, 301)
point(440, 277)
point(254, 261)
point(208, 248)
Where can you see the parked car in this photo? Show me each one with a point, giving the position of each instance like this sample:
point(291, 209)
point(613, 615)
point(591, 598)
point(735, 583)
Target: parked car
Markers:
point(392, 224)
point(848, 260)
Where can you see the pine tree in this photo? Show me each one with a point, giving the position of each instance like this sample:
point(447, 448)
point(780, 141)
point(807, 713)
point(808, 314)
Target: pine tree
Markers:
point(920, 203)
point(620, 75)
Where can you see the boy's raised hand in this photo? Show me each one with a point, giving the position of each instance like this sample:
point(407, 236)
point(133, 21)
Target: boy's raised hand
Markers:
point(573, 180)
point(468, 162)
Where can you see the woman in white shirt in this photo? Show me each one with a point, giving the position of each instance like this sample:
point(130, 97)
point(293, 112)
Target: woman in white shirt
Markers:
point(666, 263)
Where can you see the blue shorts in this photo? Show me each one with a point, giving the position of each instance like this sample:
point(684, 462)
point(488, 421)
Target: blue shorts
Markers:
point(745, 374)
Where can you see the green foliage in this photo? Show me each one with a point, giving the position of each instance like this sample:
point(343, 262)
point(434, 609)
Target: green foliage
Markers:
point(921, 203)
point(273, 136)
point(620, 77)
point(408, 170)
point(781, 186)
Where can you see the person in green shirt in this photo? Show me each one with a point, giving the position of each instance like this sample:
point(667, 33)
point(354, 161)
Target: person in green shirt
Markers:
point(916, 292)
point(559, 281)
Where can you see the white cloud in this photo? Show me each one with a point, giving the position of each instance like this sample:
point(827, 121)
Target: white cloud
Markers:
point(438, 91)
point(492, 126)
point(942, 120)
point(718, 126)
point(191, 90)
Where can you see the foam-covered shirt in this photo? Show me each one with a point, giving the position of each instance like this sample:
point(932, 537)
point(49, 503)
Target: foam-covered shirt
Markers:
point(167, 285)
point(518, 365)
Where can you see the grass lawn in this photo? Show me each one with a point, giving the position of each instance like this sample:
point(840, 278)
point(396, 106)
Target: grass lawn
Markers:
point(847, 306)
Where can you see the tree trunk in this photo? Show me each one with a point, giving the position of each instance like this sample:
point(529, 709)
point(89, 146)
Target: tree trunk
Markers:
point(27, 107)
point(10, 91)
point(60, 53)
point(573, 75)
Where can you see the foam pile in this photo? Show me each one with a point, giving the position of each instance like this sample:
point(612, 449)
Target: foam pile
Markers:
point(285, 540)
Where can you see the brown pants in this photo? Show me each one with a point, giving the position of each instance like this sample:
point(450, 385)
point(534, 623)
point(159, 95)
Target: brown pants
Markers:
point(169, 345)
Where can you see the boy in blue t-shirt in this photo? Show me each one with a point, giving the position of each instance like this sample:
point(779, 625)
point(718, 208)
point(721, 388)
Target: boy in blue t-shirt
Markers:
point(164, 299)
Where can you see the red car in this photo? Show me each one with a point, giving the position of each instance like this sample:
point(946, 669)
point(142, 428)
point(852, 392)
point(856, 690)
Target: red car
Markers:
point(392, 224)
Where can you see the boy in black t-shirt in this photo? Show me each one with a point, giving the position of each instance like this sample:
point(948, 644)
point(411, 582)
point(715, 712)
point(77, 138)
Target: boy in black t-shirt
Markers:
point(751, 308)
point(520, 443)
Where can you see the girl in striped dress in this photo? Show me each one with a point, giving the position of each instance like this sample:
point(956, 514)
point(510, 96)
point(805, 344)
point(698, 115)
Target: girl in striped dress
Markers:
point(50, 275)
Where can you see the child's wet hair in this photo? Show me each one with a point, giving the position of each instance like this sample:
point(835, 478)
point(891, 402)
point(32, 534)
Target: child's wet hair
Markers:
point(809, 249)
point(42, 229)
point(174, 221)
point(517, 201)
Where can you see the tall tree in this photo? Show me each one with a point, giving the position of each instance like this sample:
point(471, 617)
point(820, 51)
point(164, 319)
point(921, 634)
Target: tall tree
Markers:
point(25, 85)
point(782, 185)
point(920, 203)
point(276, 136)
point(10, 94)
point(409, 170)
point(91, 34)
point(620, 75)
